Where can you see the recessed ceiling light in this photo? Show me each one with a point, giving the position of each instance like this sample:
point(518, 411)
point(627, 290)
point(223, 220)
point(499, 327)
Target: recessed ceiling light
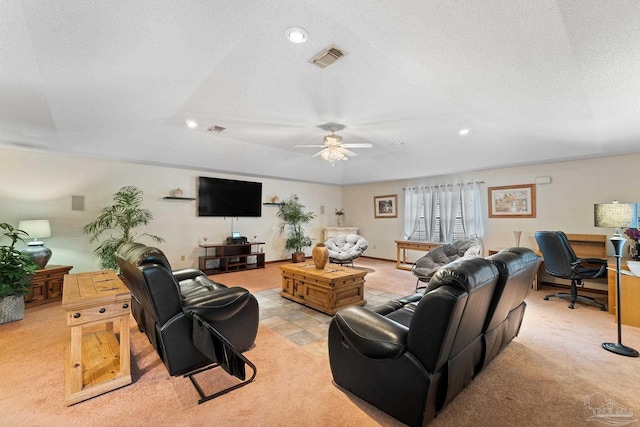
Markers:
point(297, 34)
point(398, 143)
point(464, 132)
point(191, 124)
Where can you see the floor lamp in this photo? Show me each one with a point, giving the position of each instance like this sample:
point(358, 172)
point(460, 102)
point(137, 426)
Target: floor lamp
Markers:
point(617, 215)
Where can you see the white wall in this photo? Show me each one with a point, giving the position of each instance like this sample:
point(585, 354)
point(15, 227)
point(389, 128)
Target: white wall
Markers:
point(39, 185)
point(566, 204)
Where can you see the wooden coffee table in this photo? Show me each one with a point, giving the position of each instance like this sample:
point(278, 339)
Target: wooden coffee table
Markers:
point(325, 290)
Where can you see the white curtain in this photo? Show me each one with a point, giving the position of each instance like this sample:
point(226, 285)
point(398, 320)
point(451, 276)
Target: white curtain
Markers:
point(430, 203)
point(471, 206)
point(412, 208)
point(448, 199)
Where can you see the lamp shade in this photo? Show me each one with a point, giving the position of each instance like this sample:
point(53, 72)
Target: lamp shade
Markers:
point(36, 228)
point(615, 215)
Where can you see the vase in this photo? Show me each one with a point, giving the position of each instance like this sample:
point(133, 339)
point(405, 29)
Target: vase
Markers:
point(339, 218)
point(517, 235)
point(177, 192)
point(320, 255)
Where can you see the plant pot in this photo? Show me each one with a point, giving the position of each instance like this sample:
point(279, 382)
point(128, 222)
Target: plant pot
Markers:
point(11, 308)
point(298, 257)
point(320, 255)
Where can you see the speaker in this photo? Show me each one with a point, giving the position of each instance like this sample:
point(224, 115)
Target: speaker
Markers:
point(77, 203)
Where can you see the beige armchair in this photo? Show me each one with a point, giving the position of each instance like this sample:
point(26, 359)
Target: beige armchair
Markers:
point(343, 249)
point(425, 267)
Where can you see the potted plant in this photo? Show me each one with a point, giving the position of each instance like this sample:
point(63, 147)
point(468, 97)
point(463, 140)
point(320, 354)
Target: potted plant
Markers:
point(16, 271)
point(293, 218)
point(118, 222)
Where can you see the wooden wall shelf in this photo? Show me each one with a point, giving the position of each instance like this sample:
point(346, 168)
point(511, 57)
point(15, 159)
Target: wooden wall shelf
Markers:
point(272, 204)
point(178, 198)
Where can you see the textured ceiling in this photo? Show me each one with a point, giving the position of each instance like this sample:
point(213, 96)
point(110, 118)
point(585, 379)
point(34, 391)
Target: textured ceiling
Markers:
point(535, 81)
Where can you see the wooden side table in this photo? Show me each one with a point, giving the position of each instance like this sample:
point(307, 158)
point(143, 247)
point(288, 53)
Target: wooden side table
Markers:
point(46, 285)
point(97, 362)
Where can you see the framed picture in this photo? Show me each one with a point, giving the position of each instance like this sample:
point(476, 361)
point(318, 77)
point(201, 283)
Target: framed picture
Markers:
point(386, 206)
point(512, 201)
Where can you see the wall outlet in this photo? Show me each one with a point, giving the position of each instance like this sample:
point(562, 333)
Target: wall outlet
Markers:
point(182, 258)
point(374, 246)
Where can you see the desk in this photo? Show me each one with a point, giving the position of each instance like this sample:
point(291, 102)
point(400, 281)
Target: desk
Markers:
point(96, 361)
point(402, 246)
point(629, 294)
point(584, 245)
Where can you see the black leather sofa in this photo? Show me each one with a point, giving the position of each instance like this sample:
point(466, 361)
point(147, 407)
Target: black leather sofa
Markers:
point(166, 304)
point(410, 357)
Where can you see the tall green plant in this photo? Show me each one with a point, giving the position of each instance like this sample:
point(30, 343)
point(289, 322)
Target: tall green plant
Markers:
point(293, 218)
point(116, 225)
point(16, 268)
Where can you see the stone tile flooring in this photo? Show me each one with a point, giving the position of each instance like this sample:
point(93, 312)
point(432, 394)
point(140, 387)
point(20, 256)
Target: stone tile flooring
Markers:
point(302, 325)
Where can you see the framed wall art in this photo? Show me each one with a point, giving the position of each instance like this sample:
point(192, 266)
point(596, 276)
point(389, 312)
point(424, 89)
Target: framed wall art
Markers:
point(386, 206)
point(512, 201)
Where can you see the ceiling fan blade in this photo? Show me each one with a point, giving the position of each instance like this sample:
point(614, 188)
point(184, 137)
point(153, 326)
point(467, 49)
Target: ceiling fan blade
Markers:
point(346, 152)
point(305, 146)
point(358, 145)
point(319, 152)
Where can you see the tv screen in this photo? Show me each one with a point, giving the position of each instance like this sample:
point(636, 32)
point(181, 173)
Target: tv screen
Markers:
point(227, 197)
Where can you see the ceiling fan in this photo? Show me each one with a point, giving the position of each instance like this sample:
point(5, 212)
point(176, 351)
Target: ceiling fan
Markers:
point(333, 148)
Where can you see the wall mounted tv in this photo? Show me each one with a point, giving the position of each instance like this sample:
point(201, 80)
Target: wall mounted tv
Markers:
point(226, 197)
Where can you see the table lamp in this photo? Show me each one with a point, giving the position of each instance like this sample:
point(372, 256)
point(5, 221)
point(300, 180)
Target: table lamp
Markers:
point(617, 215)
point(36, 250)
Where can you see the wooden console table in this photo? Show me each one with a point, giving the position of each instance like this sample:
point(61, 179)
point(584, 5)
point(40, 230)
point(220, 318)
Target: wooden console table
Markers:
point(326, 290)
point(97, 362)
point(46, 285)
point(402, 246)
point(234, 257)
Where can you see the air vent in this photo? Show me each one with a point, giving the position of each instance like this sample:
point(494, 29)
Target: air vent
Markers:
point(328, 56)
point(216, 129)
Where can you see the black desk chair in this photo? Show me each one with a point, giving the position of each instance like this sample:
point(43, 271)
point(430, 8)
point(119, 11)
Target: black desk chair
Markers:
point(561, 261)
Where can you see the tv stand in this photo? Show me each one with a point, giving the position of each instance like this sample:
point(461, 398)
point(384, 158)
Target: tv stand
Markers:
point(227, 258)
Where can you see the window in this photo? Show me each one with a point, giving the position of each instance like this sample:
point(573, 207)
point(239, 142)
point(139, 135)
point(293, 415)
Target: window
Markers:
point(458, 228)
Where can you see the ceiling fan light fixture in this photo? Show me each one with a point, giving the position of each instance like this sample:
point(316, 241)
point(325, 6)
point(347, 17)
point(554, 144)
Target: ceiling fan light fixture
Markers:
point(296, 34)
point(332, 155)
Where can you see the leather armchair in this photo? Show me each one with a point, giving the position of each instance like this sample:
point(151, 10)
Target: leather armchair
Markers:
point(411, 356)
point(164, 302)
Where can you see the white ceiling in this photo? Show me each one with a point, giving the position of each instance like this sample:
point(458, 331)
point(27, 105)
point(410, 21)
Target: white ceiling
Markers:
point(535, 81)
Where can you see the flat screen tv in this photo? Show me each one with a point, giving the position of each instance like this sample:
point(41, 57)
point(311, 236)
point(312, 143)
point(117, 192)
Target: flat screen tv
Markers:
point(227, 197)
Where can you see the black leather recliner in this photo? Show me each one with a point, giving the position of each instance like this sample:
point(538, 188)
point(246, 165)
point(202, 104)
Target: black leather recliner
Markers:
point(166, 303)
point(410, 357)
point(517, 268)
point(415, 358)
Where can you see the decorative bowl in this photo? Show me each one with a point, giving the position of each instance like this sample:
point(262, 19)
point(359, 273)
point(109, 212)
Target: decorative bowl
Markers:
point(634, 266)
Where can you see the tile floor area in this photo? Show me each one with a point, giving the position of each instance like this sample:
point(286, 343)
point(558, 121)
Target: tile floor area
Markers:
point(302, 325)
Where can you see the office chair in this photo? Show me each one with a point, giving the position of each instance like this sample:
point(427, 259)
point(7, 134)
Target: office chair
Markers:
point(561, 261)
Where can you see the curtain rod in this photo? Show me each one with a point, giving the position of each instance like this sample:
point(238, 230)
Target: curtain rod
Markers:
point(442, 185)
